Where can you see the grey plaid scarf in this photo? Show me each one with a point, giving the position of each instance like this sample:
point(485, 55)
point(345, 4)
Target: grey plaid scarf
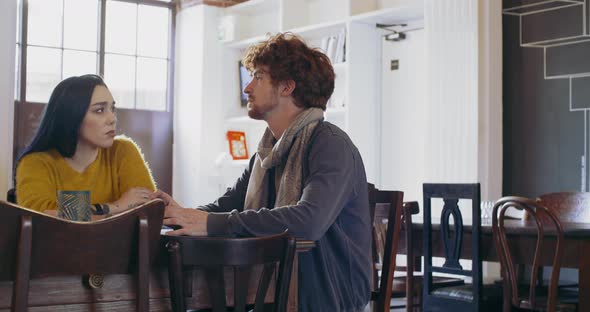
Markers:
point(286, 156)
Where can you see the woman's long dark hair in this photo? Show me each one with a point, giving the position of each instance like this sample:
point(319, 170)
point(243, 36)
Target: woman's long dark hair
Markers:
point(63, 116)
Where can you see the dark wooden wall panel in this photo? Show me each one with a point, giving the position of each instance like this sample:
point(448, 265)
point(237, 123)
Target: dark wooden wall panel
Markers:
point(543, 139)
point(151, 130)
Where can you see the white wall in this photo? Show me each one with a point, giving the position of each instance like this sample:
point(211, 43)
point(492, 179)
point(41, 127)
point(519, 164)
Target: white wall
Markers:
point(7, 59)
point(197, 110)
point(404, 97)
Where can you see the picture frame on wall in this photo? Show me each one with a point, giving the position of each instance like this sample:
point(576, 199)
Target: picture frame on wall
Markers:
point(244, 81)
point(238, 148)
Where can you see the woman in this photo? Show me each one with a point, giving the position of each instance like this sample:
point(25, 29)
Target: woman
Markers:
point(76, 148)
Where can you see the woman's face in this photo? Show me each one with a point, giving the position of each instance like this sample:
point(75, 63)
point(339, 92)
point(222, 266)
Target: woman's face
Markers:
point(98, 128)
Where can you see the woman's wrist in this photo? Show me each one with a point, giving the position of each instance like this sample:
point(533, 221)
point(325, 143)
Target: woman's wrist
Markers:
point(114, 207)
point(100, 209)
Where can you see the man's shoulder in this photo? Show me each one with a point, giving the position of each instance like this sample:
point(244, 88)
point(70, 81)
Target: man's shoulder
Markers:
point(327, 131)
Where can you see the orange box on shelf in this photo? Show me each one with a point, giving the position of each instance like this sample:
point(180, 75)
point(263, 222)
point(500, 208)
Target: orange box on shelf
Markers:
point(237, 145)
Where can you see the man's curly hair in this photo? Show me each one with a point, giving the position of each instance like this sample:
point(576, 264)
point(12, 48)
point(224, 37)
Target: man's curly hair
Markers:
point(289, 58)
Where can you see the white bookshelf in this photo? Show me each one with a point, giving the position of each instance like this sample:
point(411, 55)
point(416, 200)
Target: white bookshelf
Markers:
point(354, 103)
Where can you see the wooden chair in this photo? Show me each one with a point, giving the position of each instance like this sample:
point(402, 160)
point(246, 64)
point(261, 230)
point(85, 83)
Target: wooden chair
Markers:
point(385, 256)
point(569, 207)
point(213, 255)
point(34, 244)
point(548, 226)
point(470, 296)
point(385, 238)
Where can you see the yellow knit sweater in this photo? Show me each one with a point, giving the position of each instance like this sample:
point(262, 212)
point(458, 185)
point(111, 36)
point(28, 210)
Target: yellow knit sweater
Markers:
point(116, 169)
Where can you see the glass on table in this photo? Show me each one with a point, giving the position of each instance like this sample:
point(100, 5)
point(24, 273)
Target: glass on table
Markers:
point(73, 205)
point(486, 210)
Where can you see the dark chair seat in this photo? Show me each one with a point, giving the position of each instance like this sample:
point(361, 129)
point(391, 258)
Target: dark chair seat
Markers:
point(490, 294)
point(399, 284)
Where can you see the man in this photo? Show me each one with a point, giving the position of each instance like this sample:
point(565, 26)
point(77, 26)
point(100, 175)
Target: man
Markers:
point(307, 177)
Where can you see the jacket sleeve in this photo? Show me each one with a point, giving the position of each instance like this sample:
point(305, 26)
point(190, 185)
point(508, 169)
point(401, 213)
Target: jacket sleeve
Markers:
point(327, 189)
point(235, 196)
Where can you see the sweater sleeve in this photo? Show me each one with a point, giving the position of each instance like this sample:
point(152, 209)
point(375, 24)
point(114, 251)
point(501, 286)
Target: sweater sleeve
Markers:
point(326, 191)
point(35, 188)
point(133, 171)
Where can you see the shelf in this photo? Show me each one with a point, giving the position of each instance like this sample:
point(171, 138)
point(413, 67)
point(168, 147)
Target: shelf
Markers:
point(319, 31)
point(253, 7)
point(243, 44)
point(540, 7)
point(391, 15)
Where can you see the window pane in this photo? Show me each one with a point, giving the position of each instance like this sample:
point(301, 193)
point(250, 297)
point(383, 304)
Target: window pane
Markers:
point(152, 77)
point(18, 21)
point(81, 24)
point(43, 73)
point(16, 72)
point(121, 19)
point(78, 63)
point(152, 31)
point(45, 22)
point(119, 74)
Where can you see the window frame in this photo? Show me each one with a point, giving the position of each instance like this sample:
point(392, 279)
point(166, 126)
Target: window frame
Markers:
point(23, 44)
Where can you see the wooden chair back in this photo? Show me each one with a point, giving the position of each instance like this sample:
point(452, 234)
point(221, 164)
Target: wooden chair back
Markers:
point(386, 213)
point(214, 255)
point(11, 196)
point(539, 215)
point(34, 244)
point(568, 206)
point(452, 241)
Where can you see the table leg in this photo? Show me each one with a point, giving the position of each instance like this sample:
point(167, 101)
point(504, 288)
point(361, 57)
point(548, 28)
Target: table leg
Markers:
point(293, 286)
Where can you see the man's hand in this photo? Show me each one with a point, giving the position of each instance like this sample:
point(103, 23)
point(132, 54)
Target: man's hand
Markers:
point(192, 221)
point(163, 196)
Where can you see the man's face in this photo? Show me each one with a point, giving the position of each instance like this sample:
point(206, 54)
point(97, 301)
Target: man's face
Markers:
point(263, 97)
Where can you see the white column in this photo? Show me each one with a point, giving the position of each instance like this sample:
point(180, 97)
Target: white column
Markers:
point(451, 145)
point(7, 59)
point(197, 107)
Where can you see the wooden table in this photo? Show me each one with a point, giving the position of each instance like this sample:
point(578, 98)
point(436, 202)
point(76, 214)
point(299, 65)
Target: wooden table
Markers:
point(522, 237)
point(69, 293)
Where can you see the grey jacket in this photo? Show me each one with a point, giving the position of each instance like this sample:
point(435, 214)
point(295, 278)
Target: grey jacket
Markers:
point(333, 212)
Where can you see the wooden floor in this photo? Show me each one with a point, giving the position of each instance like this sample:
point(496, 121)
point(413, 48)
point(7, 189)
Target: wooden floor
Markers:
point(393, 302)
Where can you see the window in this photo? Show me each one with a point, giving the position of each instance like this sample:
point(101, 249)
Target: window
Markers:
point(65, 38)
point(17, 52)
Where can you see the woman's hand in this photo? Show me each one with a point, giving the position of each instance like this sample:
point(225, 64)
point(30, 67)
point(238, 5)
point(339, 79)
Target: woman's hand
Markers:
point(130, 199)
point(191, 221)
